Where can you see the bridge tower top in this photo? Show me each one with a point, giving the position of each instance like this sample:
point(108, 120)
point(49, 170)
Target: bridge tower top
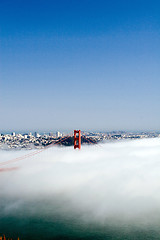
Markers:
point(77, 139)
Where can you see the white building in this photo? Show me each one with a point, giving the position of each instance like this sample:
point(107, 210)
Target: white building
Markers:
point(58, 134)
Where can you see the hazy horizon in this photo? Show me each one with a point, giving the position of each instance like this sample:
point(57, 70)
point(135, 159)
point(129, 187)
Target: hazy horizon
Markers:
point(23, 131)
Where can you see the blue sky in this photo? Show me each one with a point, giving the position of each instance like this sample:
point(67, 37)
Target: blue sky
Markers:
point(91, 65)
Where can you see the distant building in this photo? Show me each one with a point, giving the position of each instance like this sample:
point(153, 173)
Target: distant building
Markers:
point(51, 134)
point(37, 135)
point(25, 136)
point(58, 134)
point(13, 134)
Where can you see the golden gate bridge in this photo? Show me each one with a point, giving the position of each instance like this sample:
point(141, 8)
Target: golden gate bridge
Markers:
point(77, 136)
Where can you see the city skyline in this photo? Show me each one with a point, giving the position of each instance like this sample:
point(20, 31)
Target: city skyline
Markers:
point(91, 65)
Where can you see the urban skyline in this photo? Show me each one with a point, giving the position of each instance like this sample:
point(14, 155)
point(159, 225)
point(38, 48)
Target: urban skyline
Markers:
point(41, 140)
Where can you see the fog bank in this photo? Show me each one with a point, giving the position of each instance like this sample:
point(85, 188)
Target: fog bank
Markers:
point(119, 180)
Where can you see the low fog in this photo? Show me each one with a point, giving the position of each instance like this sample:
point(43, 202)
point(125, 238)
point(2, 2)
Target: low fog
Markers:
point(116, 180)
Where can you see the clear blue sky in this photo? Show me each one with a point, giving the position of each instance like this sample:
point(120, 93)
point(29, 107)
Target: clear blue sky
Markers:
point(79, 64)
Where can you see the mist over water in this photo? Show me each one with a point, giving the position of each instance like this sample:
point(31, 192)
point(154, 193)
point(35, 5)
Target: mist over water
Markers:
point(108, 191)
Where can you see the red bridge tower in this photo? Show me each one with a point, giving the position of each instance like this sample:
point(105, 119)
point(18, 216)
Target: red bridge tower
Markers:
point(77, 139)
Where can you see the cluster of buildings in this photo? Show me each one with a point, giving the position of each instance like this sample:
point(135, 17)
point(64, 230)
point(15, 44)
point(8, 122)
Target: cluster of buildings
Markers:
point(28, 140)
point(120, 135)
point(36, 140)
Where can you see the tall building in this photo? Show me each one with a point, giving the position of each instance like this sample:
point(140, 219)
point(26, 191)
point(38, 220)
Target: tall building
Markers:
point(37, 135)
point(58, 134)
